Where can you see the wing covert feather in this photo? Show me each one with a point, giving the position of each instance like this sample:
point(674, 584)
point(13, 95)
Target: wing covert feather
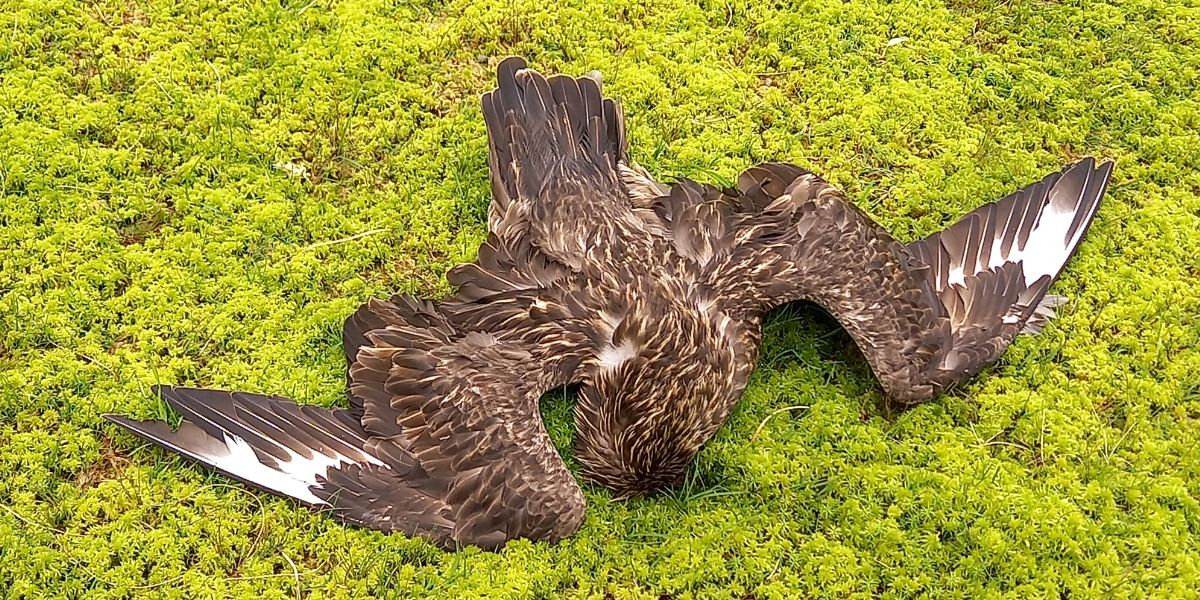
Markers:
point(463, 404)
point(926, 316)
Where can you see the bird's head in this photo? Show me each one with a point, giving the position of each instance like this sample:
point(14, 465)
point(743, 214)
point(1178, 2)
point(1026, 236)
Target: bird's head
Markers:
point(657, 393)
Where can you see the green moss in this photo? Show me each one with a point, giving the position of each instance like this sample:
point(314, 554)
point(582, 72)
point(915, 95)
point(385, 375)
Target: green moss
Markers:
point(172, 175)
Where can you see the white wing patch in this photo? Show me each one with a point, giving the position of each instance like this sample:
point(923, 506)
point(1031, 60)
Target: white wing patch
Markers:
point(1047, 248)
point(957, 276)
point(292, 477)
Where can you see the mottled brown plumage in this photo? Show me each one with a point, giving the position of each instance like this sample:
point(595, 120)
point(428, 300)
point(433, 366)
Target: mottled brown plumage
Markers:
point(648, 296)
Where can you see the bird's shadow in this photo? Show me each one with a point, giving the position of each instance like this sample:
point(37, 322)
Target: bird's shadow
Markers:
point(558, 414)
point(804, 334)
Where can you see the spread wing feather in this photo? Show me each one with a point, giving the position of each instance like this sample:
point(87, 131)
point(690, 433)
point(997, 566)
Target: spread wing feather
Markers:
point(463, 405)
point(927, 315)
point(1036, 228)
point(506, 265)
point(449, 443)
point(268, 442)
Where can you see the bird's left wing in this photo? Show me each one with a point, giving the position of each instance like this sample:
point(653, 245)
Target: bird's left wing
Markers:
point(785, 234)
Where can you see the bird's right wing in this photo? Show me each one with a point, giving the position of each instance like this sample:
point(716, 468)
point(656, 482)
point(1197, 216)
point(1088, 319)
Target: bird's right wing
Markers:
point(460, 406)
point(449, 444)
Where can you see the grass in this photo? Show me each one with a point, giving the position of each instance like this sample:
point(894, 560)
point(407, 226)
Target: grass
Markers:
point(199, 193)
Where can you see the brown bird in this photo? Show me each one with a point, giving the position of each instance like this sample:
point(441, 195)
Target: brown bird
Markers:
point(648, 296)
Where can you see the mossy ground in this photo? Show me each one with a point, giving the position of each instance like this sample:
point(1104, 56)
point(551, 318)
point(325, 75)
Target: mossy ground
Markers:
point(152, 230)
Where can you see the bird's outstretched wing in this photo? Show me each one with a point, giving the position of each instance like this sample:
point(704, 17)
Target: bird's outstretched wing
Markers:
point(450, 445)
point(927, 315)
point(1037, 227)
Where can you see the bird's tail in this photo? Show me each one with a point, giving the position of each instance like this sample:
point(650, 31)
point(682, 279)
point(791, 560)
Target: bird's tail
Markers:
point(267, 442)
point(536, 124)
